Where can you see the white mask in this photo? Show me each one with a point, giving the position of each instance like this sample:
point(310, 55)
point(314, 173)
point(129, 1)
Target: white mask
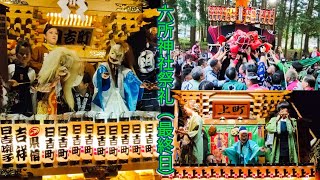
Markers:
point(78, 80)
point(146, 61)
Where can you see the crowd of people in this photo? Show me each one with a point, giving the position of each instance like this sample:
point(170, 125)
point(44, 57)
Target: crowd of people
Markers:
point(260, 69)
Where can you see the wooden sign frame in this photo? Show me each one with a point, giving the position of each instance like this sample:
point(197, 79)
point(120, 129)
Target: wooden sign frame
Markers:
point(216, 109)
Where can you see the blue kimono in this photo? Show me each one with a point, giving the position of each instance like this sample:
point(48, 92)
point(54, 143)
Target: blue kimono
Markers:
point(116, 100)
point(248, 154)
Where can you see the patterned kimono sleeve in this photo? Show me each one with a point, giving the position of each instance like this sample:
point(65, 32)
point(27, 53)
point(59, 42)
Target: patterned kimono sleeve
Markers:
point(261, 72)
point(133, 91)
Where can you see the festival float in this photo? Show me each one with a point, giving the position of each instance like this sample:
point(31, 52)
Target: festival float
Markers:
point(223, 113)
point(77, 145)
point(240, 26)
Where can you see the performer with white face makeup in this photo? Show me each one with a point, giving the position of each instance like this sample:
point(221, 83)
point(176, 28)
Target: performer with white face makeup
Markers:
point(148, 74)
point(117, 88)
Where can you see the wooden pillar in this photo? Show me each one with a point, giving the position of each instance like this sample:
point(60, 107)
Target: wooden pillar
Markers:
point(3, 44)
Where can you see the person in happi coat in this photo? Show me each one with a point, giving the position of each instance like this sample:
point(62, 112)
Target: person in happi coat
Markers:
point(21, 75)
point(82, 94)
point(244, 151)
point(194, 130)
point(284, 129)
point(233, 84)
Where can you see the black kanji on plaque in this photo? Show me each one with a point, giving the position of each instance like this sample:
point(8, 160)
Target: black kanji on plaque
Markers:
point(88, 150)
point(6, 130)
point(76, 150)
point(49, 143)
point(76, 129)
point(49, 132)
point(89, 139)
point(7, 139)
point(34, 142)
point(70, 37)
point(7, 149)
point(238, 108)
point(125, 129)
point(225, 110)
point(113, 151)
point(100, 151)
point(84, 37)
point(113, 141)
point(149, 139)
point(21, 134)
point(113, 130)
point(21, 152)
point(48, 154)
point(148, 148)
point(76, 140)
point(63, 131)
point(136, 149)
point(125, 149)
point(7, 157)
point(136, 139)
point(63, 153)
point(101, 141)
point(136, 129)
point(89, 128)
point(101, 130)
point(125, 139)
point(35, 155)
point(63, 142)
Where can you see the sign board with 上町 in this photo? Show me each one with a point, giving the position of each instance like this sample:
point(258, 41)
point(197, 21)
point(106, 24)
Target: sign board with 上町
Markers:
point(231, 110)
point(74, 36)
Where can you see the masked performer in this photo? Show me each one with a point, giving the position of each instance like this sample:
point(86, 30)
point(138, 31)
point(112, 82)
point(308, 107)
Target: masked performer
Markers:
point(148, 74)
point(244, 151)
point(284, 128)
point(117, 88)
point(194, 130)
point(61, 71)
